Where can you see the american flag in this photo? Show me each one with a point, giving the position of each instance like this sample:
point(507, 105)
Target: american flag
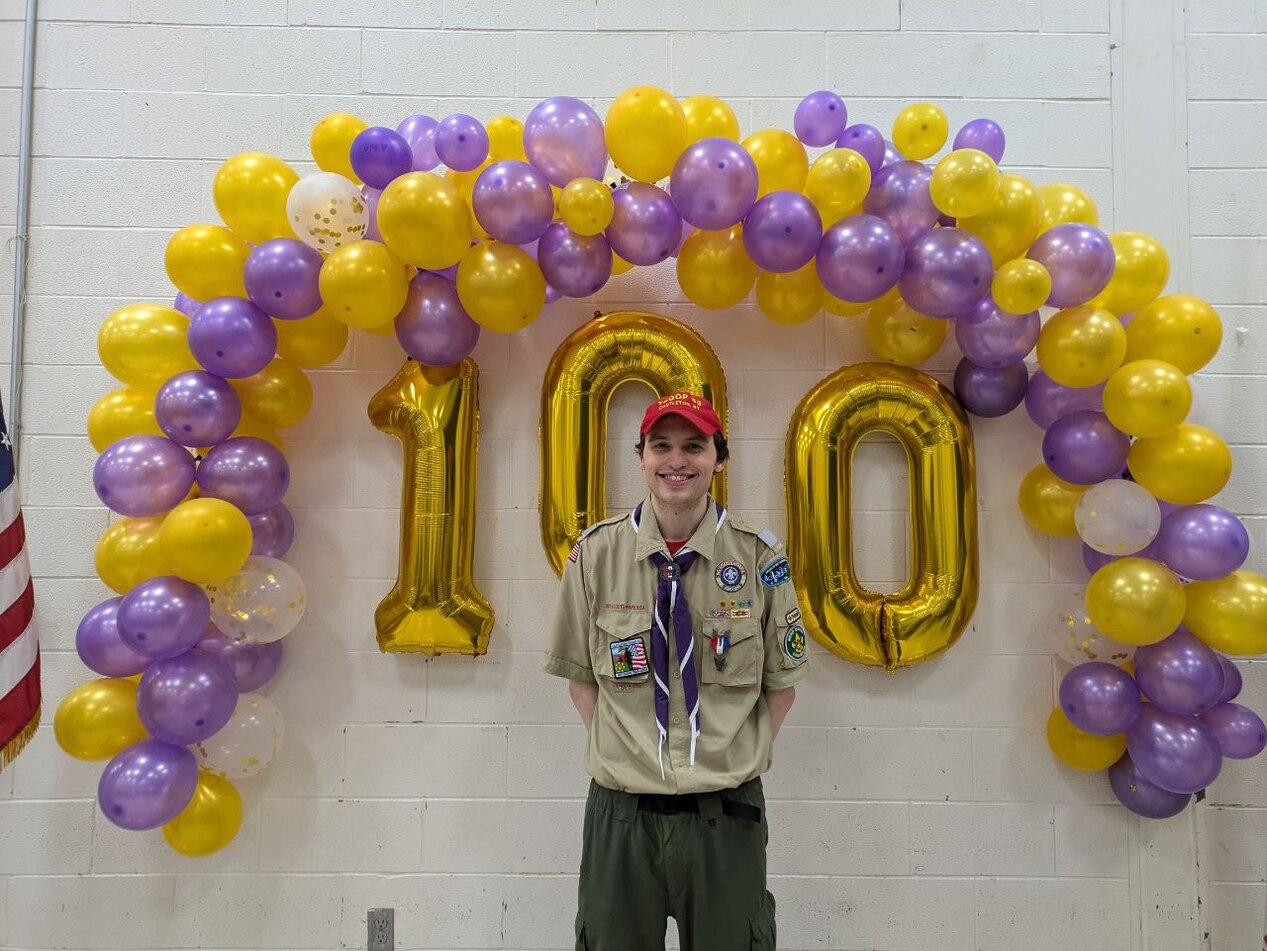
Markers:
point(19, 648)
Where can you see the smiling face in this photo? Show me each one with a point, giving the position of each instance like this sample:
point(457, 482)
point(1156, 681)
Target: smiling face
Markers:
point(678, 462)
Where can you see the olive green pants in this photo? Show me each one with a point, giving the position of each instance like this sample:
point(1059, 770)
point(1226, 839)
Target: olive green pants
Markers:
point(643, 861)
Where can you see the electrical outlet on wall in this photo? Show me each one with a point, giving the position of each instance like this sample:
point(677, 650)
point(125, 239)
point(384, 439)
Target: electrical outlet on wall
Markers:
point(382, 929)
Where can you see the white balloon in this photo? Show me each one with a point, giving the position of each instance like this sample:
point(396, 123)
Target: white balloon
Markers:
point(247, 743)
point(1117, 517)
point(261, 603)
point(327, 211)
point(1077, 640)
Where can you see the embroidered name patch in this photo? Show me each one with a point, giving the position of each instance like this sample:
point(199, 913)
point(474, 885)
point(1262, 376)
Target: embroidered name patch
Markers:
point(776, 573)
point(730, 576)
point(629, 658)
point(794, 642)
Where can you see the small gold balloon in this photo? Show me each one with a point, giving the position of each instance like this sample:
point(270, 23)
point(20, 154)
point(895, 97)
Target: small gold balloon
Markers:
point(98, 719)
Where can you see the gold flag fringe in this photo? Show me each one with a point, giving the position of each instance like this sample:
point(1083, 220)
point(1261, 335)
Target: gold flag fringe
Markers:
point(9, 752)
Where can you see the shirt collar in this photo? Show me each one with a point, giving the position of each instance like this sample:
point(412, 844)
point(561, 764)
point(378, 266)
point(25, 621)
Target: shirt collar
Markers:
point(650, 540)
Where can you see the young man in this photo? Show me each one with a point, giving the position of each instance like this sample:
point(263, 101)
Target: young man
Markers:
point(678, 628)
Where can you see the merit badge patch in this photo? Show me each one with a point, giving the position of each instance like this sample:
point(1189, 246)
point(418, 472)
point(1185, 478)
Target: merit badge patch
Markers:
point(794, 642)
point(776, 573)
point(730, 576)
point(629, 658)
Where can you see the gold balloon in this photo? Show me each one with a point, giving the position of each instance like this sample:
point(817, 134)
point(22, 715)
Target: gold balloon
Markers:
point(1012, 221)
point(1048, 502)
point(837, 182)
point(900, 334)
point(1178, 328)
point(331, 143)
point(920, 130)
point(363, 284)
point(279, 396)
point(128, 553)
point(790, 298)
point(964, 183)
point(314, 341)
point(98, 719)
point(782, 164)
point(434, 607)
point(1081, 346)
point(586, 206)
point(645, 131)
point(145, 344)
point(127, 411)
point(848, 308)
point(505, 139)
point(1021, 286)
point(1080, 750)
point(250, 191)
point(1135, 601)
point(205, 540)
point(501, 286)
point(1229, 614)
point(425, 220)
point(709, 117)
point(930, 612)
point(1066, 204)
point(619, 265)
point(1185, 466)
point(206, 261)
point(713, 268)
point(464, 182)
point(249, 425)
point(585, 370)
point(1139, 275)
point(1147, 397)
point(211, 819)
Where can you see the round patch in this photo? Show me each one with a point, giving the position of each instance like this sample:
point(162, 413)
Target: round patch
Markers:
point(730, 576)
point(794, 642)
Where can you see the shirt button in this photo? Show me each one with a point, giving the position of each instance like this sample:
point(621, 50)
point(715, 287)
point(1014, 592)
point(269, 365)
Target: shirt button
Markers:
point(677, 720)
point(677, 674)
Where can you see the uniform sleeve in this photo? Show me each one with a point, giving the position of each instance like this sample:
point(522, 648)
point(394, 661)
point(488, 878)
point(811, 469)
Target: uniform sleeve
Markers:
point(567, 652)
point(786, 648)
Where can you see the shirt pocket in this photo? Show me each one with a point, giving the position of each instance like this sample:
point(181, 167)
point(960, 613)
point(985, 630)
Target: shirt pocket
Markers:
point(624, 637)
point(740, 663)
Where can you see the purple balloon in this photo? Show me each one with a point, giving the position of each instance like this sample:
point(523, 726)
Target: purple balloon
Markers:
point(461, 142)
point(1081, 261)
point(645, 227)
point(1239, 730)
point(142, 476)
point(371, 196)
point(1173, 750)
point(1047, 401)
point(186, 699)
point(576, 265)
point(197, 408)
point(820, 118)
point(986, 391)
point(1100, 698)
point(860, 258)
point(947, 272)
point(891, 155)
point(513, 202)
point(232, 337)
point(186, 304)
point(1232, 680)
point(380, 155)
point(147, 784)
point(247, 471)
point(991, 337)
point(1141, 796)
point(163, 617)
point(1083, 447)
point(984, 135)
point(899, 194)
point(432, 327)
point(1203, 542)
point(253, 665)
point(1180, 674)
point(281, 278)
point(1095, 560)
point(563, 138)
point(272, 532)
point(782, 232)
point(101, 647)
point(714, 183)
point(419, 133)
point(867, 141)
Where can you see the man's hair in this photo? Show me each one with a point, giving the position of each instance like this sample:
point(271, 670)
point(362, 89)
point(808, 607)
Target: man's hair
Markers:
point(719, 442)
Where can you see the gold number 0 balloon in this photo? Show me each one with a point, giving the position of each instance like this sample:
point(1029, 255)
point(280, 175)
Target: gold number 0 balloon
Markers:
point(585, 370)
point(435, 607)
point(932, 609)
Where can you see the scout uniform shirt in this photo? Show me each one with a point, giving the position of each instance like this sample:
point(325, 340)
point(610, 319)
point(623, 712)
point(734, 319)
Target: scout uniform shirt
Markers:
point(748, 638)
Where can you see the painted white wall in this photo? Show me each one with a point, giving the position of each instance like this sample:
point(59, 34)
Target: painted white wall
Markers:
point(914, 811)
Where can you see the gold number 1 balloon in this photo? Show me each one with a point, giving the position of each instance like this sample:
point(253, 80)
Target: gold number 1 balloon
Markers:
point(930, 612)
point(435, 607)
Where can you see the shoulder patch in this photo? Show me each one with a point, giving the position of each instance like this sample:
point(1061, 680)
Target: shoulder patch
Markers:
point(771, 540)
point(575, 553)
point(776, 572)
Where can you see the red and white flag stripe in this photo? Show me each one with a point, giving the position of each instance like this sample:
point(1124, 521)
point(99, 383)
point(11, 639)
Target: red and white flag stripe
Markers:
point(19, 645)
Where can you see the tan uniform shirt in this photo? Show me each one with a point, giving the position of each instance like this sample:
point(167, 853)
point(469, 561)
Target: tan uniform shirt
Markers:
point(740, 586)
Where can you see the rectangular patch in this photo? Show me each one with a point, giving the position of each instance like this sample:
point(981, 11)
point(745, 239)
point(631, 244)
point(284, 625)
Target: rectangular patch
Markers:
point(629, 658)
point(614, 606)
point(730, 613)
point(793, 616)
point(776, 573)
point(575, 553)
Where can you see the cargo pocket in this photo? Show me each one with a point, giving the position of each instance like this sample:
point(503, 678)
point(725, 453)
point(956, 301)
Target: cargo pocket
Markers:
point(764, 933)
point(740, 664)
point(623, 646)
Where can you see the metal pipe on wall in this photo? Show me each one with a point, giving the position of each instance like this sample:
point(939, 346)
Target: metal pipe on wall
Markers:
point(21, 237)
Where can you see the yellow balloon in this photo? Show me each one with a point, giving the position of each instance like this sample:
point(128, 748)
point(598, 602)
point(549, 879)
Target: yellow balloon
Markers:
point(646, 132)
point(1011, 222)
point(1229, 614)
point(1066, 204)
point(1147, 397)
point(98, 719)
point(964, 183)
point(790, 298)
point(464, 182)
point(205, 540)
point(1185, 466)
point(713, 268)
point(619, 265)
point(211, 819)
point(206, 261)
point(501, 286)
point(424, 220)
point(127, 411)
point(920, 130)
point(847, 308)
point(505, 139)
point(1178, 328)
point(363, 284)
point(1048, 502)
point(900, 334)
point(1081, 346)
point(331, 143)
point(145, 344)
point(250, 191)
point(1140, 274)
point(782, 164)
point(314, 341)
point(248, 425)
point(1135, 601)
point(1021, 286)
point(586, 206)
point(279, 396)
point(1080, 750)
point(128, 553)
point(837, 181)
point(709, 117)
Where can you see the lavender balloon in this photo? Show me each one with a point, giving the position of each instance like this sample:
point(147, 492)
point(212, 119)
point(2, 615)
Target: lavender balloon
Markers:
point(513, 202)
point(1083, 447)
point(272, 532)
point(820, 118)
point(1080, 259)
point(575, 265)
point(867, 141)
point(186, 304)
point(281, 278)
point(419, 133)
point(1239, 730)
point(380, 155)
point(185, 699)
point(563, 138)
point(1175, 751)
point(197, 408)
point(1095, 560)
point(1180, 674)
point(991, 337)
point(899, 194)
point(142, 476)
point(860, 258)
point(1140, 795)
point(989, 392)
point(1100, 698)
point(782, 231)
point(1232, 680)
point(432, 327)
point(100, 646)
point(461, 142)
point(232, 337)
point(891, 155)
point(248, 471)
point(1047, 401)
point(947, 272)
point(984, 135)
point(371, 196)
point(253, 665)
point(147, 784)
point(1203, 542)
point(714, 183)
point(163, 617)
point(645, 227)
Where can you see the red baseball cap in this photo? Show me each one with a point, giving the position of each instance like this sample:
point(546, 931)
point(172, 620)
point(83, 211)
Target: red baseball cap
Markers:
point(694, 409)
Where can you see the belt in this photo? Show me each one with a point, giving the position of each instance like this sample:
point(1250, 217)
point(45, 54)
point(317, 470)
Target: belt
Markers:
point(690, 802)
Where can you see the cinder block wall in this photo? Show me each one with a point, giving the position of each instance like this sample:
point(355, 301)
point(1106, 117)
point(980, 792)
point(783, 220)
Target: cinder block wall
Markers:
point(914, 811)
